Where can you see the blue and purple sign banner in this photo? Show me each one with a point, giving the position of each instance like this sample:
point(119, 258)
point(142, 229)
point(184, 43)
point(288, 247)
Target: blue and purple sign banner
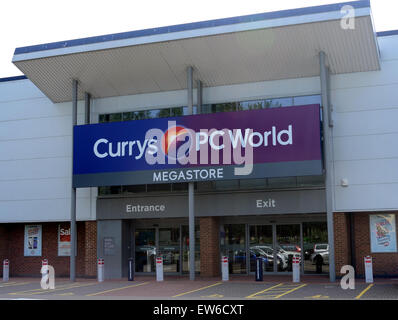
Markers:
point(277, 142)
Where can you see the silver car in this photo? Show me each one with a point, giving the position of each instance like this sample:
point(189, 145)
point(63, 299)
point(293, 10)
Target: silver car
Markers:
point(321, 252)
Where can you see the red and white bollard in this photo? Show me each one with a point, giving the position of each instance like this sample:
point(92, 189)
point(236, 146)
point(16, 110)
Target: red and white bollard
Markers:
point(159, 269)
point(6, 270)
point(224, 268)
point(368, 269)
point(296, 268)
point(44, 269)
point(100, 269)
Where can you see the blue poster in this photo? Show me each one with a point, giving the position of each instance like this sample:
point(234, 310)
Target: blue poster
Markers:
point(383, 233)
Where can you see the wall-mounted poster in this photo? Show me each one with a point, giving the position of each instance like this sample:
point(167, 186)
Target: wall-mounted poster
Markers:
point(383, 233)
point(32, 246)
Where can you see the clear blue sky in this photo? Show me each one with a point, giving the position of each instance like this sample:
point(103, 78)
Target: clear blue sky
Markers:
point(30, 22)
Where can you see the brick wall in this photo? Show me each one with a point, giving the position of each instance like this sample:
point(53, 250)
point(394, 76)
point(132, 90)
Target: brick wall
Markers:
point(30, 266)
point(209, 247)
point(341, 241)
point(384, 264)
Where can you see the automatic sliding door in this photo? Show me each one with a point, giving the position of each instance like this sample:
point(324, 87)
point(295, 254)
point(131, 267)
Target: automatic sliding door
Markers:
point(288, 243)
point(261, 246)
point(169, 248)
point(233, 245)
point(145, 250)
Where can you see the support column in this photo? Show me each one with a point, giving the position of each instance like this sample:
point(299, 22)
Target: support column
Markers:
point(191, 212)
point(87, 100)
point(327, 125)
point(199, 96)
point(73, 229)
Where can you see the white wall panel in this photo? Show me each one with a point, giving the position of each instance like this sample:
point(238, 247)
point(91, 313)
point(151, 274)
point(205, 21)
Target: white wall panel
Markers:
point(377, 171)
point(366, 122)
point(367, 197)
point(35, 168)
point(365, 98)
point(388, 47)
point(366, 147)
point(36, 148)
point(19, 90)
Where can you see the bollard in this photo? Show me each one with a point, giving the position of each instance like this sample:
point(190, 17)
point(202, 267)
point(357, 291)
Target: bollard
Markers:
point(44, 271)
point(131, 269)
point(224, 268)
point(6, 270)
point(259, 269)
point(159, 269)
point(368, 269)
point(296, 268)
point(100, 269)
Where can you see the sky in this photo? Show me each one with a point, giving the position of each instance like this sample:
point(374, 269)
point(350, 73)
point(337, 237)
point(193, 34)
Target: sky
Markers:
point(28, 22)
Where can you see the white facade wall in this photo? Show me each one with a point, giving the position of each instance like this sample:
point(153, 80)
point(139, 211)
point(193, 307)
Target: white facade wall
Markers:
point(35, 139)
point(366, 135)
point(35, 158)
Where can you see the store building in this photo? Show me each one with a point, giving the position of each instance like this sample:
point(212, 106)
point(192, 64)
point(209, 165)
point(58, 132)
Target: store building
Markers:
point(316, 85)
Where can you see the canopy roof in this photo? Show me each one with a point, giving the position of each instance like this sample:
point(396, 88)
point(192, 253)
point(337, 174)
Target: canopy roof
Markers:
point(251, 48)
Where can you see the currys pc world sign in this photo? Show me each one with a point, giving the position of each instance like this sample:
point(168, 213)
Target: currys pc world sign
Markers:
point(275, 142)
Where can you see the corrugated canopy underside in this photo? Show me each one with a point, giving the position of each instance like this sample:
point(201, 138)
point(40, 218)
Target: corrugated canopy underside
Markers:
point(237, 57)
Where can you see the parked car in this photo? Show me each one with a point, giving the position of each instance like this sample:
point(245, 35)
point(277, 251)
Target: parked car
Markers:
point(269, 251)
point(321, 254)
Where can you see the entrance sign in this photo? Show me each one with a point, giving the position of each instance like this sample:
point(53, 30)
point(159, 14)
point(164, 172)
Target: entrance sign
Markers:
point(230, 145)
point(383, 233)
point(32, 246)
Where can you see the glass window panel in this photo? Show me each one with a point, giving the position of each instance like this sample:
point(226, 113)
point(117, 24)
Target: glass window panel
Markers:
point(226, 185)
point(127, 116)
point(180, 186)
point(287, 182)
point(224, 107)
point(113, 117)
point(310, 181)
point(205, 185)
point(141, 115)
point(162, 187)
point(280, 102)
point(252, 183)
point(206, 108)
point(134, 188)
point(177, 112)
point(305, 100)
point(251, 105)
point(109, 190)
point(164, 113)
point(316, 249)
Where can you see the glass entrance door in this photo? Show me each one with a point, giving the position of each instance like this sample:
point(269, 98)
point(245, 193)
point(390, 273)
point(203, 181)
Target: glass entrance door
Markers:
point(261, 246)
point(145, 250)
point(288, 243)
point(169, 248)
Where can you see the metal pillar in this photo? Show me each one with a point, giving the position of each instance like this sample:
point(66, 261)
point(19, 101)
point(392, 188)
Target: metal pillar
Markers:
point(327, 125)
point(73, 192)
point(199, 96)
point(191, 212)
point(87, 99)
